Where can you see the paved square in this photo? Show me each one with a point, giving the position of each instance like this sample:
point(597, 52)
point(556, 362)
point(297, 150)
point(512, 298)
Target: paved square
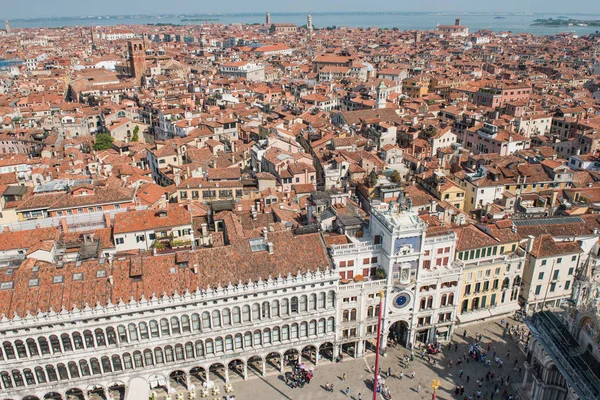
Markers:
point(357, 372)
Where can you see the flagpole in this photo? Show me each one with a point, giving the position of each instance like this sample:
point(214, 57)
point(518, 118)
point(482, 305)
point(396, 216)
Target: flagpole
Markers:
point(378, 344)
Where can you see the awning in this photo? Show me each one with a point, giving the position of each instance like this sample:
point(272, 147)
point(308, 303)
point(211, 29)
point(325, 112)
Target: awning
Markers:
point(443, 329)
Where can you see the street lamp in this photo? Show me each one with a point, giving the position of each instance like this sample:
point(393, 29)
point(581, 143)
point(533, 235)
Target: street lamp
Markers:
point(435, 384)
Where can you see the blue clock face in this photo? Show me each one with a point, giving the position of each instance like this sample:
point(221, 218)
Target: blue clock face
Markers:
point(401, 300)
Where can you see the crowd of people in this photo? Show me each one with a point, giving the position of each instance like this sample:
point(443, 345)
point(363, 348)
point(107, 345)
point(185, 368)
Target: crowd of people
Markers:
point(299, 376)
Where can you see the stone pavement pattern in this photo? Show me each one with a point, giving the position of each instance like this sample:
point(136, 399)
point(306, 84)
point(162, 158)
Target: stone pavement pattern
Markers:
point(358, 374)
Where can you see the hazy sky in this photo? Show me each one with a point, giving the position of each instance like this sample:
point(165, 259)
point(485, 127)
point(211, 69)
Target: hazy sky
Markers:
point(54, 8)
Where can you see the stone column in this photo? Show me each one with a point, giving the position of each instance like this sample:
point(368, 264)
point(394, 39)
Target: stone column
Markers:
point(226, 374)
point(188, 380)
point(527, 373)
point(335, 351)
point(264, 367)
point(245, 371)
point(281, 363)
point(359, 349)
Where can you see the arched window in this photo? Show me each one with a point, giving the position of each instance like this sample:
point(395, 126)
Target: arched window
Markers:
point(154, 329)
point(199, 348)
point(210, 347)
point(276, 335)
point(275, 308)
point(164, 327)
point(266, 310)
point(219, 345)
point(322, 300)
point(370, 312)
point(62, 372)
point(133, 333)
point(179, 352)
point(100, 337)
point(175, 328)
point(18, 378)
point(353, 314)
point(423, 303)
point(40, 375)
point(267, 336)
point(73, 370)
point(185, 324)
point(285, 307)
point(331, 299)
point(321, 329)
point(116, 363)
point(122, 332)
point(21, 352)
point(205, 320)
point(189, 350)
point(330, 324)
point(312, 302)
point(238, 341)
point(294, 331)
point(169, 354)
point(32, 346)
point(236, 315)
point(312, 328)
point(228, 343)
point(95, 366)
point(216, 319)
point(9, 351)
point(144, 334)
point(66, 342)
point(246, 313)
point(226, 315)
point(106, 367)
point(6, 380)
point(84, 367)
point(77, 341)
point(377, 310)
point(303, 329)
point(444, 300)
point(51, 373)
point(257, 338)
point(127, 361)
point(430, 302)
point(29, 378)
point(158, 356)
point(44, 347)
point(285, 332)
point(89, 339)
point(451, 299)
point(55, 344)
point(195, 322)
point(294, 305)
point(465, 306)
point(346, 315)
point(138, 360)
point(303, 303)
point(255, 312)
point(148, 360)
point(247, 340)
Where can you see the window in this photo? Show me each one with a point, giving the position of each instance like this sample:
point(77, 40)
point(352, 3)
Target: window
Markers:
point(552, 286)
point(543, 262)
point(538, 290)
point(541, 275)
point(571, 270)
point(567, 285)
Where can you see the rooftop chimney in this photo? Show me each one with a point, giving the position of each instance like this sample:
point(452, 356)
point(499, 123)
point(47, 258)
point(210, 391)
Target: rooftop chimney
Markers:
point(457, 22)
point(270, 247)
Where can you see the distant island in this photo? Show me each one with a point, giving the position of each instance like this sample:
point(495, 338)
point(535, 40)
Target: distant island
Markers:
point(499, 17)
point(199, 19)
point(566, 22)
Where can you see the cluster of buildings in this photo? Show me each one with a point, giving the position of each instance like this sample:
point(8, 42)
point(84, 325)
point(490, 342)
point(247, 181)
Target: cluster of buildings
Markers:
point(182, 204)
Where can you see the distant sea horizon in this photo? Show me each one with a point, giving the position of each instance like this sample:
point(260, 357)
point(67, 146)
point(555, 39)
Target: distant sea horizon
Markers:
point(494, 21)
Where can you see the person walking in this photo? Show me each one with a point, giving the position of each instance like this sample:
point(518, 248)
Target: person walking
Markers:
point(413, 375)
point(347, 390)
point(359, 396)
point(468, 378)
point(344, 377)
point(401, 375)
point(419, 389)
point(460, 373)
point(464, 334)
point(389, 372)
point(456, 347)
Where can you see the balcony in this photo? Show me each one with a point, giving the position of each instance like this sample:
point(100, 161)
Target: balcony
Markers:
point(354, 248)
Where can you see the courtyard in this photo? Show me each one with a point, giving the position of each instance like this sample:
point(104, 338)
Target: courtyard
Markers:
point(401, 383)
